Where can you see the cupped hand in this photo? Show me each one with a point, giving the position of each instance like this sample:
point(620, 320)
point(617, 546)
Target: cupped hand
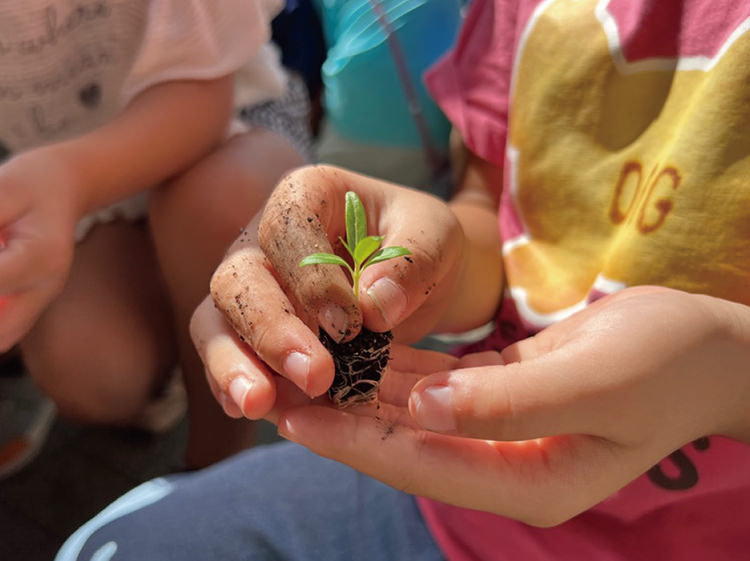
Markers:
point(275, 307)
point(555, 423)
point(37, 224)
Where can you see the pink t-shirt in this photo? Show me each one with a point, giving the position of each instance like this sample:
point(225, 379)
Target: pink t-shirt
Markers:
point(624, 130)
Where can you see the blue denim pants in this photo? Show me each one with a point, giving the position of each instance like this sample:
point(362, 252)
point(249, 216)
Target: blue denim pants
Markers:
point(277, 502)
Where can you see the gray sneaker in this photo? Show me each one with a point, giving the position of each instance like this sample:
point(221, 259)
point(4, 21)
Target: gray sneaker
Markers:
point(26, 416)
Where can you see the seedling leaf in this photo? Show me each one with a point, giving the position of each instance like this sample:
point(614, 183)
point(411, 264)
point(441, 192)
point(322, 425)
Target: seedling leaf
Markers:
point(323, 259)
point(385, 254)
point(356, 220)
point(346, 246)
point(365, 248)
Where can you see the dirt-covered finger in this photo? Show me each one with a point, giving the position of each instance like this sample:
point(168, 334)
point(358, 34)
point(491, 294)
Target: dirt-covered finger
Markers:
point(250, 299)
point(240, 382)
point(305, 216)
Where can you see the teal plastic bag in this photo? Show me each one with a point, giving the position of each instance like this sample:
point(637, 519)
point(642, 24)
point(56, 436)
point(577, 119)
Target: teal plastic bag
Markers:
point(365, 97)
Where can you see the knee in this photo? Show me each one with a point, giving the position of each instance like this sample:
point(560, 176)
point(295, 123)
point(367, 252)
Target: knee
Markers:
point(93, 376)
point(223, 191)
point(197, 201)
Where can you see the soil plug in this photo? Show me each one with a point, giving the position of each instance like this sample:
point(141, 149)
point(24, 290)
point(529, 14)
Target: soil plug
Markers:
point(360, 362)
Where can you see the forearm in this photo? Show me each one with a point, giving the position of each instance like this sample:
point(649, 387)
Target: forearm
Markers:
point(163, 131)
point(480, 286)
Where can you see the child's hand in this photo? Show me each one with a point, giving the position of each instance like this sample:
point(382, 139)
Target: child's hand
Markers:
point(37, 224)
point(276, 307)
point(571, 415)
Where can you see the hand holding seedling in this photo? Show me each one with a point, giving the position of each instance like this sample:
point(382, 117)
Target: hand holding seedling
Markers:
point(262, 295)
point(360, 362)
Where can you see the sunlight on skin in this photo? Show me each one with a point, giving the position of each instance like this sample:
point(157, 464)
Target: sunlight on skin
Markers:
point(4, 300)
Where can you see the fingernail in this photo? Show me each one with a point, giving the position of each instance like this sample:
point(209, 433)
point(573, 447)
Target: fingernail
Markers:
point(286, 430)
point(334, 320)
point(223, 400)
point(228, 405)
point(432, 408)
point(389, 298)
point(238, 389)
point(297, 369)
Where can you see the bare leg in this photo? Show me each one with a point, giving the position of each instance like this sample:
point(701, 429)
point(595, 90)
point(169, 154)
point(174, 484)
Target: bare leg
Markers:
point(105, 344)
point(194, 219)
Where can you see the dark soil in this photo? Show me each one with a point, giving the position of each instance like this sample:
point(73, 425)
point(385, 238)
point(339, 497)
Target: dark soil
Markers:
point(359, 365)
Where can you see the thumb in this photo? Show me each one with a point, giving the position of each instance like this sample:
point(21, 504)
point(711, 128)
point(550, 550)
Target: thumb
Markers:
point(393, 291)
point(517, 401)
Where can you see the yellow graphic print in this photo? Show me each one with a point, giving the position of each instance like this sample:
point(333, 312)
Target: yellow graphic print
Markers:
point(627, 173)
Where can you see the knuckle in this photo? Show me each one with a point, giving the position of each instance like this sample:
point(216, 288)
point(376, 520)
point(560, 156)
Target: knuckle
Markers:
point(427, 258)
point(265, 337)
point(259, 335)
point(233, 272)
point(222, 279)
point(286, 196)
point(294, 199)
point(415, 272)
point(486, 410)
point(268, 228)
point(233, 298)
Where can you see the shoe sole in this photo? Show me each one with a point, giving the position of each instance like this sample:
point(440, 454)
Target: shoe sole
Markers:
point(19, 452)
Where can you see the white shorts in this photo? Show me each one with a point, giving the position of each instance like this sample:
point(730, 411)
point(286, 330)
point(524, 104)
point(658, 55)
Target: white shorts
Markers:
point(134, 208)
point(131, 210)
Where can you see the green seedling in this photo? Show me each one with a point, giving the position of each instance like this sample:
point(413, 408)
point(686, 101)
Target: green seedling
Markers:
point(362, 248)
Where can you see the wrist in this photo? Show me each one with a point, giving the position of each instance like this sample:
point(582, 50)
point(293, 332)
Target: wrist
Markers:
point(478, 286)
point(64, 167)
point(61, 178)
point(731, 365)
